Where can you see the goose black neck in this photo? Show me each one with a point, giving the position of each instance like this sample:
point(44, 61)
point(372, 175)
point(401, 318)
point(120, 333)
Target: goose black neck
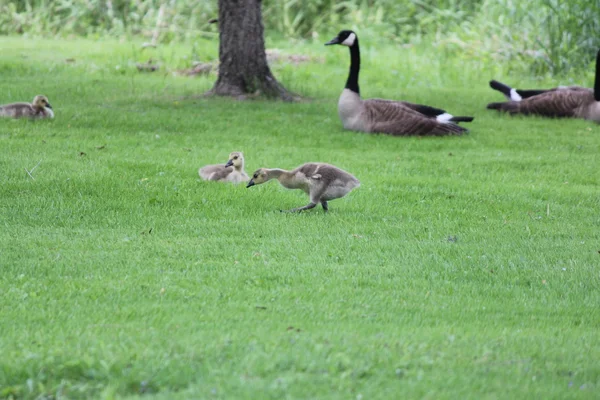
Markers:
point(597, 78)
point(352, 82)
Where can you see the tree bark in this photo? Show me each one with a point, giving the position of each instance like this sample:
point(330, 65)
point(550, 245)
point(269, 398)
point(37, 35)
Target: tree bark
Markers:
point(243, 67)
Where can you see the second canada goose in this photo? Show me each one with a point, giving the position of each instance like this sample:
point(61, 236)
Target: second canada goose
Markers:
point(232, 171)
point(322, 182)
point(398, 118)
point(38, 108)
point(560, 102)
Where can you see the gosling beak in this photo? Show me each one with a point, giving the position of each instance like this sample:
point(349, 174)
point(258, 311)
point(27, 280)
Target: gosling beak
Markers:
point(251, 183)
point(229, 163)
point(48, 105)
point(335, 40)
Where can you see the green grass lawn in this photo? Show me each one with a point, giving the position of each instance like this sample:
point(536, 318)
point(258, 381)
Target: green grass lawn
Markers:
point(463, 267)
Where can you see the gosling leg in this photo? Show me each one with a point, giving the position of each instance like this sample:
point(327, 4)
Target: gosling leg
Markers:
point(325, 205)
point(306, 207)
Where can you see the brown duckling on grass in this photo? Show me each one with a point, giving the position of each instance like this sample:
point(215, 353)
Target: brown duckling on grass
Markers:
point(232, 171)
point(322, 182)
point(39, 108)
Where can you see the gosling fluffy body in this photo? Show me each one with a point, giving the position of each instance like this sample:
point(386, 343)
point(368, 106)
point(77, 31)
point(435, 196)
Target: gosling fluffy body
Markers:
point(397, 118)
point(232, 171)
point(39, 108)
point(321, 182)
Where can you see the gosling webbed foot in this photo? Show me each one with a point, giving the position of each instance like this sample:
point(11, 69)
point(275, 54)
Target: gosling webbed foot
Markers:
point(299, 209)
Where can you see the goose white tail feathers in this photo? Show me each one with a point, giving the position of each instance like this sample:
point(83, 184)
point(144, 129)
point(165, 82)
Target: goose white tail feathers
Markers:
point(445, 118)
point(513, 94)
point(510, 93)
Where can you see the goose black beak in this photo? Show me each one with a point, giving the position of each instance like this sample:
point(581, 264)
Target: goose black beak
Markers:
point(251, 183)
point(335, 40)
point(229, 163)
point(48, 105)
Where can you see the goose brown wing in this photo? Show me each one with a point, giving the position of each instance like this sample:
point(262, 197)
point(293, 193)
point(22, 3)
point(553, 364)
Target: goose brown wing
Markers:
point(395, 118)
point(427, 111)
point(556, 103)
point(422, 127)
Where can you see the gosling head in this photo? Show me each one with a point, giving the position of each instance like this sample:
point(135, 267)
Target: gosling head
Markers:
point(344, 38)
point(40, 102)
point(260, 176)
point(236, 159)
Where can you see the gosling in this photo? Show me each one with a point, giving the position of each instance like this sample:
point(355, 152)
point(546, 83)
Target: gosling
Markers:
point(39, 108)
point(322, 182)
point(232, 171)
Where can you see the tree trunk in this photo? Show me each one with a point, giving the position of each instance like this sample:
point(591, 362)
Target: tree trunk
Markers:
point(243, 67)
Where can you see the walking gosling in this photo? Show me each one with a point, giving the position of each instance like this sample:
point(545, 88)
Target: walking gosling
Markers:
point(232, 172)
point(39, 108)
point(322, 182)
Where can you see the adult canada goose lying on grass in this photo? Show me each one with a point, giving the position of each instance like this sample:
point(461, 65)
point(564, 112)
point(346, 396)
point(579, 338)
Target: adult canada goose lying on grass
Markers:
point(322, 182)
point(560, 102)
point(398, 118)
point(232, 172)
point(39, 108)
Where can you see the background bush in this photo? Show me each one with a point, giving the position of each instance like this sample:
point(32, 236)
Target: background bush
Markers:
point(538, 36)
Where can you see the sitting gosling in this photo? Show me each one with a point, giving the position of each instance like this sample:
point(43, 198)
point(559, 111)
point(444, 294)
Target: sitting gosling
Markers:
point(232, 172)
point(322, 182)
point(39, 108)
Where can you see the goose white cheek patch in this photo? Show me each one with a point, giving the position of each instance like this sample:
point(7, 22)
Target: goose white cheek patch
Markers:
point(349, 40)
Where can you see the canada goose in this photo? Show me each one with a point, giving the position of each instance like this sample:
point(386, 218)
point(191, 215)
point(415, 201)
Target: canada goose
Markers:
point(39, 108)
point(560, 102)
point(232, 171)
point(396, 118)
point(322, 182)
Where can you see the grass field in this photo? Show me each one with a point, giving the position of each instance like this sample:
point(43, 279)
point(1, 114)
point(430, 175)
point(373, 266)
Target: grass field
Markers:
point(463, 267)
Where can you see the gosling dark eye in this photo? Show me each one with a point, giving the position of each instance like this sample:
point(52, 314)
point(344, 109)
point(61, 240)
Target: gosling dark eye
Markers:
point(255, 176)
point(235, 158)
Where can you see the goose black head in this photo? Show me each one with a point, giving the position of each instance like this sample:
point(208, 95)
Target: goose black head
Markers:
point(344, 38)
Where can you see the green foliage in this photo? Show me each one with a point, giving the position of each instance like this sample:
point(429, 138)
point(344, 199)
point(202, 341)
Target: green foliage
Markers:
point(549, 37)
point(173, 20)
point(462, 268)
point(539, 36)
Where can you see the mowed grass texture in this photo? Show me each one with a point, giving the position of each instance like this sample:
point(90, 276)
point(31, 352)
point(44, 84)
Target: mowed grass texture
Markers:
point(463, 267)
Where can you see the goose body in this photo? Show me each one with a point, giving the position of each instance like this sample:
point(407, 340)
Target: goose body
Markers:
point(232, 171)
point(321, 182)
point(559, 102)
point(398, 118)
point(39, 108)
